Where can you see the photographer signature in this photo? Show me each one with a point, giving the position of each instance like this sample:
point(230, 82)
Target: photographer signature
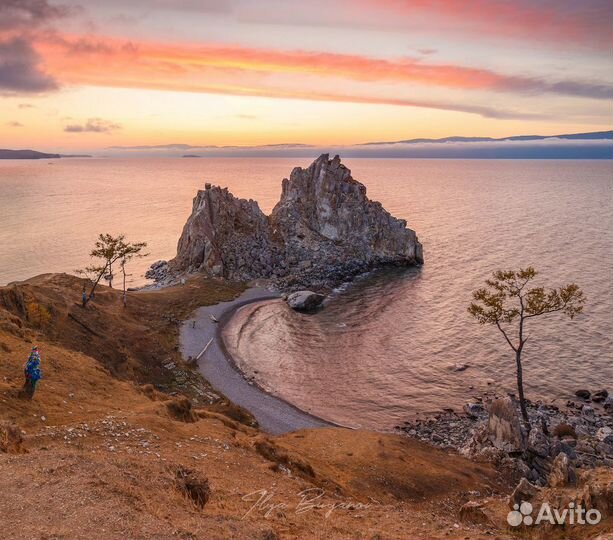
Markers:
point(308, 500)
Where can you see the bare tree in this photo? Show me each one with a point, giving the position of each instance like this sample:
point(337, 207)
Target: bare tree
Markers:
point(508, 304)
point(109, 249)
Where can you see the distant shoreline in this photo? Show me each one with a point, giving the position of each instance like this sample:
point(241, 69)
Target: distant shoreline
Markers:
point(33, 154)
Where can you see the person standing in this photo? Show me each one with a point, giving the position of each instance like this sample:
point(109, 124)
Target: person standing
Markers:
point(32, 373)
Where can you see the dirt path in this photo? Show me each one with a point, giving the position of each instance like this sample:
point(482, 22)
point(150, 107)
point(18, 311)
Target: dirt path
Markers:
point(273, 414)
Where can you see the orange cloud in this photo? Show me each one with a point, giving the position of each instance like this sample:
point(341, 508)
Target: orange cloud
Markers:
point(103, 61)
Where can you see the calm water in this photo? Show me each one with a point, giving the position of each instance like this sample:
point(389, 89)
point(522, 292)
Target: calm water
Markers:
point(385, 347)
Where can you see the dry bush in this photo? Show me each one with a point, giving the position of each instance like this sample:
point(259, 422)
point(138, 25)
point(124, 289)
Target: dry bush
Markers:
point(280, 457)
point(181, 409)
point(564, 430)
point(235, 412)
point(153, 394)
point(11, 441)
point(192, 485)
point(38, 315)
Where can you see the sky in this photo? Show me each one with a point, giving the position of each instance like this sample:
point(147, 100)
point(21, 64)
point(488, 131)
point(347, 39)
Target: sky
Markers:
point(82, 75)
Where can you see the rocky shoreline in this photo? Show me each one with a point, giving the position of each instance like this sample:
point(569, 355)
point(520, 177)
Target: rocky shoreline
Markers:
point(581, 431)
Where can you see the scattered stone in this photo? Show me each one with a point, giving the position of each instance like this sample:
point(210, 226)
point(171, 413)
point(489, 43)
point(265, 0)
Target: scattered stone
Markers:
point(604, 434)
point(583, 394)
point(306, 301)
point(473, 410)
point(460, 367)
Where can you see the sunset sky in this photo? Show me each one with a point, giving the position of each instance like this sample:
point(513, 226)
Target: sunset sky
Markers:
point(82, 74)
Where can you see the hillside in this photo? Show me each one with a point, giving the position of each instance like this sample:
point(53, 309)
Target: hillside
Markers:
point(103, 452)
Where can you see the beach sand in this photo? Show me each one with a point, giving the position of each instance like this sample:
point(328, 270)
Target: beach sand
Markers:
point(274, 415)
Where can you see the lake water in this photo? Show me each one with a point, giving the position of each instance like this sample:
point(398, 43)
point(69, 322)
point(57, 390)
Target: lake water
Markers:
point(385, 347)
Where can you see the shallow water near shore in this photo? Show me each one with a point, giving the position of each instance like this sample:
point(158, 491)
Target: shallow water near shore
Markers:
point(387, 345)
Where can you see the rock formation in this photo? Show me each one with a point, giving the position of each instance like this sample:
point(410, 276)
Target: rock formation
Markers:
point(324, 229)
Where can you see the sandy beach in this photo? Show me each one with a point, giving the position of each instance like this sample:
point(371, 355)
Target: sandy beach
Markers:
point(274, 415)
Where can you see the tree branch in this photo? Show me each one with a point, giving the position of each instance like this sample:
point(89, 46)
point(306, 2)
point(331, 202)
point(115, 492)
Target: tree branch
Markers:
point(505, 336)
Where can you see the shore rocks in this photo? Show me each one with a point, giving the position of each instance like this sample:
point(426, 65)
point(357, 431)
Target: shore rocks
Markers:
point(158, 271)
point(600, 396)
point(306, 301)
point(324, 230)
point(583, 433)
point(583, 394)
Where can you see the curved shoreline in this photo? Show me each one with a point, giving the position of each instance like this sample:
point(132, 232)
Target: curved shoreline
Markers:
point(274, 415)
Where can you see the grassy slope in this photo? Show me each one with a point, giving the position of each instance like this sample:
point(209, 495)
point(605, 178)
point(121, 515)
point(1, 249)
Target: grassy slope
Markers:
point(103, 453)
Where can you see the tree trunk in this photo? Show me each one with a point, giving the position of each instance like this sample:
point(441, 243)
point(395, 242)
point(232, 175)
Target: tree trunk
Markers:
point(125, 298)
point(520, 389)
point(91, 292)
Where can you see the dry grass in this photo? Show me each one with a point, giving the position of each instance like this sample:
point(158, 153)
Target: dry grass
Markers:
point(113, 459)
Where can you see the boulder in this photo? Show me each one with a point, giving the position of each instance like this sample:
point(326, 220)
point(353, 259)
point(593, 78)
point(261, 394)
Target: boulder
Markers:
point(599, 396)
point(473, 410)
point(305, 300)
point(562, 472)
point(538, 443)
point(605, 434)
point(504, 427)
point(524, 492)
point(323, 226)
point(598, 491)
point(583, 394)
point(473, 513)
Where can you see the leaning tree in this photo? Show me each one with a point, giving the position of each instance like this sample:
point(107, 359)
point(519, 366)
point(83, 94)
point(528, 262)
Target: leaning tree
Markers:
point(110, 250)
point(508, 303)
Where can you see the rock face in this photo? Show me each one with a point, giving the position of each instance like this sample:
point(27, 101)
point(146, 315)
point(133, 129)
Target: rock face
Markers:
point(323, 226)
point(504, 426)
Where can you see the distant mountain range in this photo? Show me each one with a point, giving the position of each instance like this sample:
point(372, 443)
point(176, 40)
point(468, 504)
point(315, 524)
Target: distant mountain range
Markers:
point(593, 145)
point(592, 136)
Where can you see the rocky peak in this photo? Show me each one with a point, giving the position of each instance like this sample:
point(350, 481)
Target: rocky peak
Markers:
point(324, 228)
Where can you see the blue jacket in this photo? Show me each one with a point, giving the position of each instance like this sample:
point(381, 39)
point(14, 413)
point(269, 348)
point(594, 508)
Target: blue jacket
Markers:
point(32, 368)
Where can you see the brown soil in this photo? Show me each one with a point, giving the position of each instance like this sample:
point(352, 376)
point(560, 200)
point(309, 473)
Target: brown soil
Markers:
point(108, 457)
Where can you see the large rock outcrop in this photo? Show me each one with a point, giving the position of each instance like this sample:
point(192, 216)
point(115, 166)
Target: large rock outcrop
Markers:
point(324, 228)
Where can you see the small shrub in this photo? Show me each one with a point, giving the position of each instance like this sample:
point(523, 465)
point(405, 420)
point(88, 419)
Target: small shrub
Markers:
point(11, 441)
point(192, 485)
point(564, 430)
